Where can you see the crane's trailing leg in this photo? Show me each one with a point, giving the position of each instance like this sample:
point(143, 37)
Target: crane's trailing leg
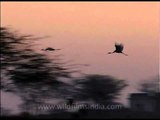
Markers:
point(124, 54)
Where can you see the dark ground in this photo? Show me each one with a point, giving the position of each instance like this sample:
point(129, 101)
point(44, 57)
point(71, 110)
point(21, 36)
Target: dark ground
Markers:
point(94, 114)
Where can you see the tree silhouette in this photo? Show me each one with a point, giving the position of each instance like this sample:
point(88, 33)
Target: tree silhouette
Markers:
point(151, 85)
point(4, 111)
point(98, 88)
point(26, 73)
point(152, 88)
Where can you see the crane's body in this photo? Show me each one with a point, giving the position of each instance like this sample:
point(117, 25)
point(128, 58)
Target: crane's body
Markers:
point(119, 49)
point(50, 49)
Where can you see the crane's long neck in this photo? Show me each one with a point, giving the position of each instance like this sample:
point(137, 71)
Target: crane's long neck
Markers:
point(57, 49)
point(111, 52)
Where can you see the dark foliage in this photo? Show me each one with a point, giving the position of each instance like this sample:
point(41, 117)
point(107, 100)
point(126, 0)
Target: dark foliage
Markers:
point(29, 74)
point(98, 88)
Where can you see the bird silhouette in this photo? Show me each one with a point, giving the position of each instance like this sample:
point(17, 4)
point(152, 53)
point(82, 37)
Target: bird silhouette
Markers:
point(119, 48)
point(50, 49)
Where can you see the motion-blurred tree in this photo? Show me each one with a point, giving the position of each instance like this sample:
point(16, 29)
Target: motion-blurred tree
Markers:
point(150, 86)
point(98, 88)
point(27, 73)
point(4, 111)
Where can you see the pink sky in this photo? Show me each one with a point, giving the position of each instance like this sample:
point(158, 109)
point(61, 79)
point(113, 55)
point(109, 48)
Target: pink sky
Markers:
point(86, 31)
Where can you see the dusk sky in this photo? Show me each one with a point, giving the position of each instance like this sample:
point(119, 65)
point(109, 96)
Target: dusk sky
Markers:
point(87, 31)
